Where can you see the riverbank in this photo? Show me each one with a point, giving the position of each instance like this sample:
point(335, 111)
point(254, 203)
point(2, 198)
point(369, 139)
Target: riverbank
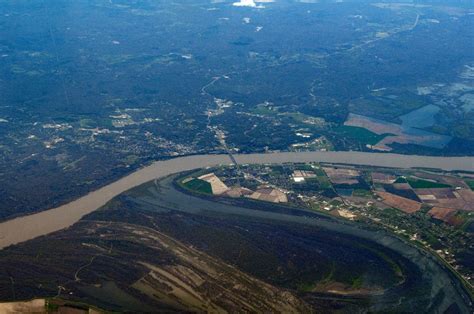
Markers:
point(293, 210)
point(29, 227)
point(434, 273)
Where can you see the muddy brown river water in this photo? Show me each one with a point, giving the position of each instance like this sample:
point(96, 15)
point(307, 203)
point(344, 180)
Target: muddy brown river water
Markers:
point(29, 227)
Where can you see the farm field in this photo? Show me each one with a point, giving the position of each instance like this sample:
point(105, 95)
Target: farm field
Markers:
point(207, 77)
point(434, 209)
point(167, 250)
point(199, 186)
point(236, 156)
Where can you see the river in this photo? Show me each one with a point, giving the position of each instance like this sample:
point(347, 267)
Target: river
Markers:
point(433, 291)
point(29, 227)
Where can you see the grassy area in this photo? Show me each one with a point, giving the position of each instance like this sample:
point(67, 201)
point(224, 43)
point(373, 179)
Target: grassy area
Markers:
point(319, 172)
point(362, 193)
point(305, 167)
point(264, 110)
point(298, 116)
point(391, 211)
point(94, 123)
point(131, 159)
point(424, 184)
point(321, 178)
point(470, 183)
point(199, 186)
point(87, 123)
point(361, 135)
point(312, 180)
point(324, 183)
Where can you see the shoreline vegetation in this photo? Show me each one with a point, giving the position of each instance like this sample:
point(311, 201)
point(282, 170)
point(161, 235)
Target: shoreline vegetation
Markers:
point(31, 226)
point(59, 218)
point(251, 203)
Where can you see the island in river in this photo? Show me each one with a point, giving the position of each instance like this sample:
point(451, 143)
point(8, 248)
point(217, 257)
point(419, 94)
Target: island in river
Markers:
point(155, 247)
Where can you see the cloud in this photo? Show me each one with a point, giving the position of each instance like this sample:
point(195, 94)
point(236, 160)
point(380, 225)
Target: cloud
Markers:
point(247, 3)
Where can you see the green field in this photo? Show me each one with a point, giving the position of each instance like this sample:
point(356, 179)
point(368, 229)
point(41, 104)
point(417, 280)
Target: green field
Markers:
point(324, 183)
point(264, 110)
point(361, 135)
point(423, 184)
point(305, 167)
point(470, 183)
point(362, 193)
point(319, 172)
point(199, 186)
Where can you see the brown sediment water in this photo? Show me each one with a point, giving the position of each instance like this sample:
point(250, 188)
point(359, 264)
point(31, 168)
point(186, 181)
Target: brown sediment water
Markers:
point(29, 227)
